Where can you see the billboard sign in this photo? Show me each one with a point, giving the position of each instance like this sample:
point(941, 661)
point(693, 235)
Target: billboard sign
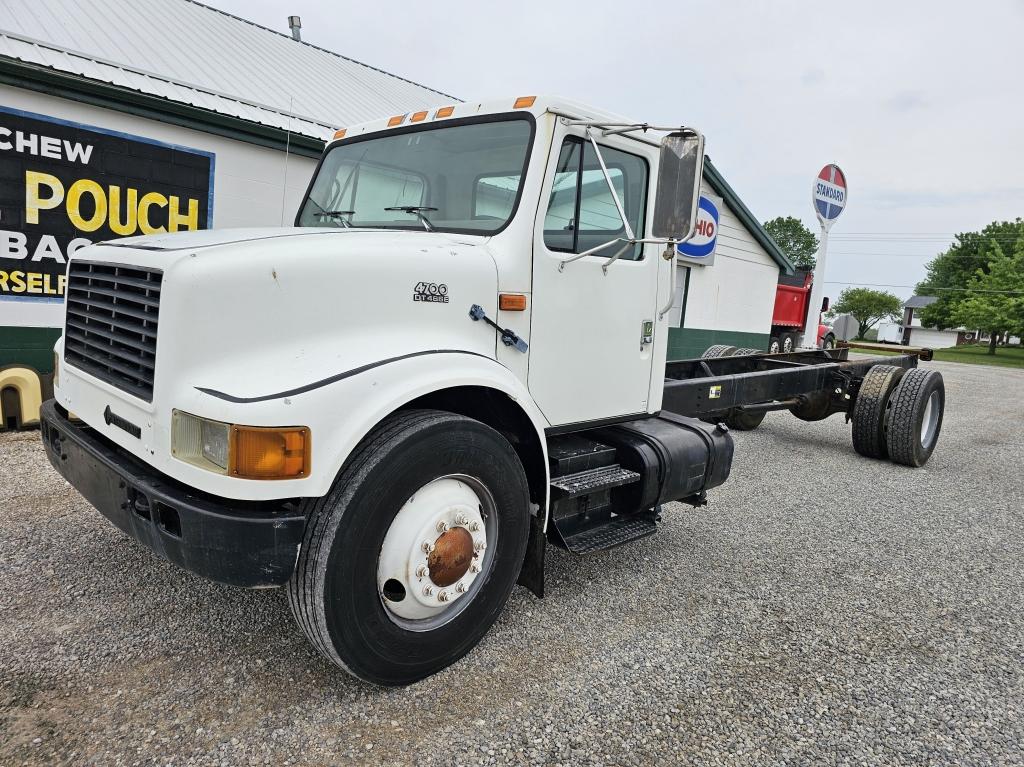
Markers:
point(64, 185)
point(700, 248)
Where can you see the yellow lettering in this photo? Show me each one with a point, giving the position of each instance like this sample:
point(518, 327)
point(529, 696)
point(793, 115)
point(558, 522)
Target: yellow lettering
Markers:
point(78, 189)
point(190, 220)
point(18, 282)
point(61, 284)
point(33, 202)
point(151, 198)
point(129, 224)
point(35, 282)
point(3, 281)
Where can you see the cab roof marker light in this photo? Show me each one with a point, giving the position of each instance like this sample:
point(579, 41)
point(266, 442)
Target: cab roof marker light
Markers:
point(418, 117)
point(340, 133)
point(396, 120)
point(444, 112)
point(524, 102)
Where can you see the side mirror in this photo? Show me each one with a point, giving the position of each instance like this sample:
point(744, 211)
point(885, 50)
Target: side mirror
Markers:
point(824, 304)
point(680, 170)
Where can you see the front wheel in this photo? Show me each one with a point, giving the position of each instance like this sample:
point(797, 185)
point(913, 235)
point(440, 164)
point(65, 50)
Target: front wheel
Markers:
point(411, 556)
point(828, 342)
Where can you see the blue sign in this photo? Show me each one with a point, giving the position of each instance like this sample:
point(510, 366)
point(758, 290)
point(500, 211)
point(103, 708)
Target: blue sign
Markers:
point(705, 235)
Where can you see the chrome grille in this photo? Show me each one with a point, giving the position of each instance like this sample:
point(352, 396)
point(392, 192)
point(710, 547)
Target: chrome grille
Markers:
point(110, 327)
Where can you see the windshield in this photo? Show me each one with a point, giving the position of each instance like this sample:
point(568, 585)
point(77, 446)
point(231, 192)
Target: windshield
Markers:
point(450, 178)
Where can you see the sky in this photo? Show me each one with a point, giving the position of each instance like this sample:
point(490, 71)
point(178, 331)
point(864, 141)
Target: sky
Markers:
point(920, 103)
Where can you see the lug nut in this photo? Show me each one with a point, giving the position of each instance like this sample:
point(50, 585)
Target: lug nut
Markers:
point(442, 526)
point(461, 520)
point(422, 571)
point(442, 596)
point(460, 587)
point(428, 546)
point(428, 590)
point(475, 567)
point(475, 527)
point(480, 545)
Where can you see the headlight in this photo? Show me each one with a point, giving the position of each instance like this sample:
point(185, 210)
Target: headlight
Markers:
point(250, 452)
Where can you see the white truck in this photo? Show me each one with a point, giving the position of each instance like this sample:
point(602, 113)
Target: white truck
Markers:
point(457, 355)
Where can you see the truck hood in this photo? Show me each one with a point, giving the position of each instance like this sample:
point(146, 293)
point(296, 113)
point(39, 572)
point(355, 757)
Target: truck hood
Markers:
point(253, 312)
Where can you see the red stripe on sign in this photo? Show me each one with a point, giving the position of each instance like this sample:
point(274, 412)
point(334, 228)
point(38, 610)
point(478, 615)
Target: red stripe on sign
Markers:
point(825, 175)
point(839, 179)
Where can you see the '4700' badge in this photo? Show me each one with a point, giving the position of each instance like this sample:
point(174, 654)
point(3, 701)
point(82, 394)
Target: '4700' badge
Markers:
point(430, 292)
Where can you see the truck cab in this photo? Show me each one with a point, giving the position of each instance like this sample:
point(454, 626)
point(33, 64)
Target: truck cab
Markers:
point(465, 292)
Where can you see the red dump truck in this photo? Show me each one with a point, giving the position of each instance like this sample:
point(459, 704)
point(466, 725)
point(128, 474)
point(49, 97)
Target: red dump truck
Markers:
point(790, 313)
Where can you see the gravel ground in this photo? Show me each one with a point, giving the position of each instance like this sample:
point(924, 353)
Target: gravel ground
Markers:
point(823, 609)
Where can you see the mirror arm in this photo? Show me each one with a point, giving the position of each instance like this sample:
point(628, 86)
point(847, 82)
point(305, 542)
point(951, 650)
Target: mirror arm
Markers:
point(592, 251)
point(670, 256)
point(619, 252)
point(611, 187)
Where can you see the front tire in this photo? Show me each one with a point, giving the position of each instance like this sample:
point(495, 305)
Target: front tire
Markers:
point(360, 591)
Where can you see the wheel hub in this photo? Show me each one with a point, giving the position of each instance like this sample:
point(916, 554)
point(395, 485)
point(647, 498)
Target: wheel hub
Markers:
point(435, 550)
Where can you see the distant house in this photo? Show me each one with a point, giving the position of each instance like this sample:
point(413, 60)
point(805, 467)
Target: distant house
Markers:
point(910, 332)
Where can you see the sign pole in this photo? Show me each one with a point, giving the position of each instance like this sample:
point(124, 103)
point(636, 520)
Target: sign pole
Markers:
point(829, 194)
point(810, 336)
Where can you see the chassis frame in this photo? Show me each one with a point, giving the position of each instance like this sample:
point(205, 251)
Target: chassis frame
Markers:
point(811, 384)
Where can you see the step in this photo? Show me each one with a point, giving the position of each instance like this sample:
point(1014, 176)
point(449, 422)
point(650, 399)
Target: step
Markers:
point(605, 534)
point(574, 453)
point(590, 481)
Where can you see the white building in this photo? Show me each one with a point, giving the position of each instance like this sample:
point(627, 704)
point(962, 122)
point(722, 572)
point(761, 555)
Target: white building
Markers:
point(167, 114)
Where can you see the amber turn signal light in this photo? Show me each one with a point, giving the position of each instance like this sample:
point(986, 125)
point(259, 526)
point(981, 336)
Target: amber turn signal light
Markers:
point(512, 302)
point(270, 453)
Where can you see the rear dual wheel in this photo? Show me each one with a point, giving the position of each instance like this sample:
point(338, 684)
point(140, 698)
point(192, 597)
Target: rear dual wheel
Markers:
point(898, 414)
point(409, 559)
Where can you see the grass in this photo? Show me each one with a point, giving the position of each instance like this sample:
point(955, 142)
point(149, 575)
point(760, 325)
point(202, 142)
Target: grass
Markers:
point(1005, 356)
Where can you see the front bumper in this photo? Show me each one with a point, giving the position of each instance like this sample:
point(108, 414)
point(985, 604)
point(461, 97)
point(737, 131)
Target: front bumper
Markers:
point(251, 544)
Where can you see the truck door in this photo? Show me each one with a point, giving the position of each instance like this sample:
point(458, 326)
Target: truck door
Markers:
point(590, 354)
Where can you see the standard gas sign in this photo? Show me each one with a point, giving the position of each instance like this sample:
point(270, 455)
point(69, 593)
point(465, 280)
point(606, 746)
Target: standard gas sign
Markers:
point(64, 186)
point(829, 194)
point(701, 247)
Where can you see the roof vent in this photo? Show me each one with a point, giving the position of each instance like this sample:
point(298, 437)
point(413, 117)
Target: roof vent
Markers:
point(295, 25)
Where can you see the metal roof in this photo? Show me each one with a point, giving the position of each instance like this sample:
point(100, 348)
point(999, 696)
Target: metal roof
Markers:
point(917, 302)
point(189, 53)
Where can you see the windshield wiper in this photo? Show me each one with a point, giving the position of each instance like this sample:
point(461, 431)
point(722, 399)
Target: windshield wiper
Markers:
point(416, 210)
point(337, 215)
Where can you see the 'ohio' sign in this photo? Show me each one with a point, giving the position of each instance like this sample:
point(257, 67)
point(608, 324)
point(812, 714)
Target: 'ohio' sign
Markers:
point(829, 194)
point(700, 249)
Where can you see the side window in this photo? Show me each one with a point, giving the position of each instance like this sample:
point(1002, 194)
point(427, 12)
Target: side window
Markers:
point(581, 212)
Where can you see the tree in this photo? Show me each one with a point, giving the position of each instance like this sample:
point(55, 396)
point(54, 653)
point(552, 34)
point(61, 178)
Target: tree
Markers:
point(867, 307)
point(994, 301)
point(794, 239)
point(950, 272)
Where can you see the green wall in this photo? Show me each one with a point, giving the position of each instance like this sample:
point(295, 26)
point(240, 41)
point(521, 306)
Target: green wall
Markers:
point(32, 347)
point(688, 343)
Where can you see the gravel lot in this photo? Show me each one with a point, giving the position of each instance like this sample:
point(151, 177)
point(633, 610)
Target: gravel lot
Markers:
point(824, 608)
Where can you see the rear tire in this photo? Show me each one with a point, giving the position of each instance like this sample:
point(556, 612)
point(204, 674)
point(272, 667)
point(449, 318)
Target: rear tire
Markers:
point(718, 350)
point(774, 345)
point(335, 592)
point(915, 417)
point(787, 342)
point(742, 352)
point(869, 410)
